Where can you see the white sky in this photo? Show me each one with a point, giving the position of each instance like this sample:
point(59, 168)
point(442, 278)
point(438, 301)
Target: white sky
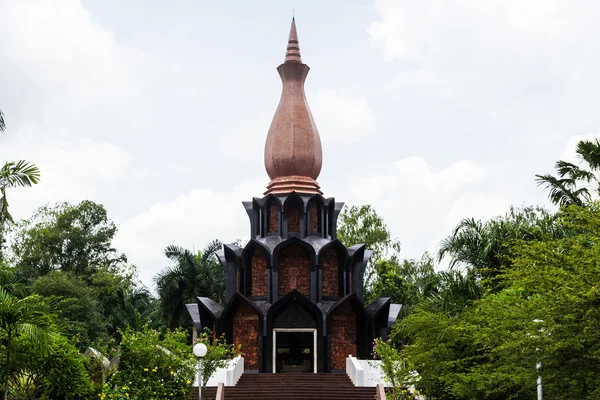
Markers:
point(430, 110)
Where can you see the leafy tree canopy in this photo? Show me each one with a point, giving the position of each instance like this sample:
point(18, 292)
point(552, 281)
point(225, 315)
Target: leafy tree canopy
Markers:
point(70, 238)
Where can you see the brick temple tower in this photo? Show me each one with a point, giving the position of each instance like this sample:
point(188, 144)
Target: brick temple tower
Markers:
point(294, 298)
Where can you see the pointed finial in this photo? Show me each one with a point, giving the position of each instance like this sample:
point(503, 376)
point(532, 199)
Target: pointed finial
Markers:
point(293, 49)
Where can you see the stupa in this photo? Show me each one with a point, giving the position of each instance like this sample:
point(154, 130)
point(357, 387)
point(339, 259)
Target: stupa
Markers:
point(294, 293)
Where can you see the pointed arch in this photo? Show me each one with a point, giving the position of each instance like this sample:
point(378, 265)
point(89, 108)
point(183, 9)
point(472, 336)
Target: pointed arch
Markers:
point(256, 259)
point(272, 215)
point(293, 211)
point(294, 261)
point(332, 260)
point(315, 213)
point(242, 323)
point(292, 311)
point(344, 322)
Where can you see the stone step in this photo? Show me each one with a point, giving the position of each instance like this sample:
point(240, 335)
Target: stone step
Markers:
point(294, 386)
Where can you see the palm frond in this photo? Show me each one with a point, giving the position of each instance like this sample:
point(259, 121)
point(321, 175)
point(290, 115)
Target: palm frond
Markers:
point(573, 171)
point(20, 173)
point(561, 190)
point(589, 151)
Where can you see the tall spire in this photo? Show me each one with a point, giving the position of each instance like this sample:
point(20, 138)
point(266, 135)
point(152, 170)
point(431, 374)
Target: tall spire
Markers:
point(293, 48)
point(293, 155)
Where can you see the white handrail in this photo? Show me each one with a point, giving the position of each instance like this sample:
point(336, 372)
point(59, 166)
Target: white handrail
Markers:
point(355, 371)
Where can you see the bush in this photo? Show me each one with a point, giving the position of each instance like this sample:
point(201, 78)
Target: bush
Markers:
point(152, 369)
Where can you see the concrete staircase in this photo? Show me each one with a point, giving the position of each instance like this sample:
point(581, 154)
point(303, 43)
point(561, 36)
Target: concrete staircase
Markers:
point(293, 386)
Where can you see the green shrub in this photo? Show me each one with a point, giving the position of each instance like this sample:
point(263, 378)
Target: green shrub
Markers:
point(151, 368)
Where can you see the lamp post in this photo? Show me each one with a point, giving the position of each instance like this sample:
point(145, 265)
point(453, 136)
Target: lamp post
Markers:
point(538, 366)
point(200, 351)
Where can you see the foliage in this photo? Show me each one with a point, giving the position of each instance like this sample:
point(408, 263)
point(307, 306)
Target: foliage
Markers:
point(406, 282)
point(192, 275)
point(152, 368)
point(546, 310)
point(362, 225)
point(29, 318)
point(574, 182)
point(217, 356)
point(483, 247)
point(10, 281)
point(70, 238)
point(394, 368)
point(60, 373)
point(2, 123)
point(79, 311)
point(14, 174)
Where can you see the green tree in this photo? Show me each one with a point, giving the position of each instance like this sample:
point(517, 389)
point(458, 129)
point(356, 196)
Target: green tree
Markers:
point(575, 183)
point(79, 311)
point(192, 275)
point(362, 225)
point(546, 310)
point(70, 238)
point(30, 318)
point(482, 247)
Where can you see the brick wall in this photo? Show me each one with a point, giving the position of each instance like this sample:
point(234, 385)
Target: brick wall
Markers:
point(294, 271)
point(246, 333)
point(293, 215)
point(273, 222)
point(330, 266)
point(313, 217)
point(343, 336)
point(259, 272)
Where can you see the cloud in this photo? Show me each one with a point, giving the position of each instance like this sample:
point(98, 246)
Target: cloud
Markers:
point(341, 118)
point(517, 58)
point(416, 200)
point(190, 220)
point(70, 171)
point(57, 65)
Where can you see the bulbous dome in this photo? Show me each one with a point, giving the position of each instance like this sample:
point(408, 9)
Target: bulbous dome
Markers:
point(293, 154)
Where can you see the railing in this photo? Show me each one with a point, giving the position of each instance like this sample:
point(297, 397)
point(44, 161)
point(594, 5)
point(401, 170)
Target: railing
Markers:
point(221, 392)
point(355, 371)
point(229, 375)
point(380, 392)
point(364, 372)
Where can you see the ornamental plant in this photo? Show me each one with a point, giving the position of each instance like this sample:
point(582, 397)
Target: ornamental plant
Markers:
point(394, 368)
point(218, 355)
point(151, 367)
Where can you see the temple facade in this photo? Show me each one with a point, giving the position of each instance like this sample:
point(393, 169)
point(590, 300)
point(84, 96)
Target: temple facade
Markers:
point(294, 293)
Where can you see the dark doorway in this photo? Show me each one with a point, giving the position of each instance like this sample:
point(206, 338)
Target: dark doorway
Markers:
point(294, 352)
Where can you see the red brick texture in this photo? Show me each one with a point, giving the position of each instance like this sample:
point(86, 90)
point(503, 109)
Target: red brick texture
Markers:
point(294, 271)
point(246, 333)
point(330, 265)
point(313, 217)
point(293, 215)
point(259, 272)
point(343, 336)
point(273, 222)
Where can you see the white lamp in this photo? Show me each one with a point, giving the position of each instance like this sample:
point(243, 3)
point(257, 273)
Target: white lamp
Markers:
point(200, 350)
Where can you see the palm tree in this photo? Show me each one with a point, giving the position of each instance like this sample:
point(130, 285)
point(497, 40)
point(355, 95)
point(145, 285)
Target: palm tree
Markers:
point(573, 184)
point(13, 174)
point(29, 317)
point(482, 247)
point(192, 275)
